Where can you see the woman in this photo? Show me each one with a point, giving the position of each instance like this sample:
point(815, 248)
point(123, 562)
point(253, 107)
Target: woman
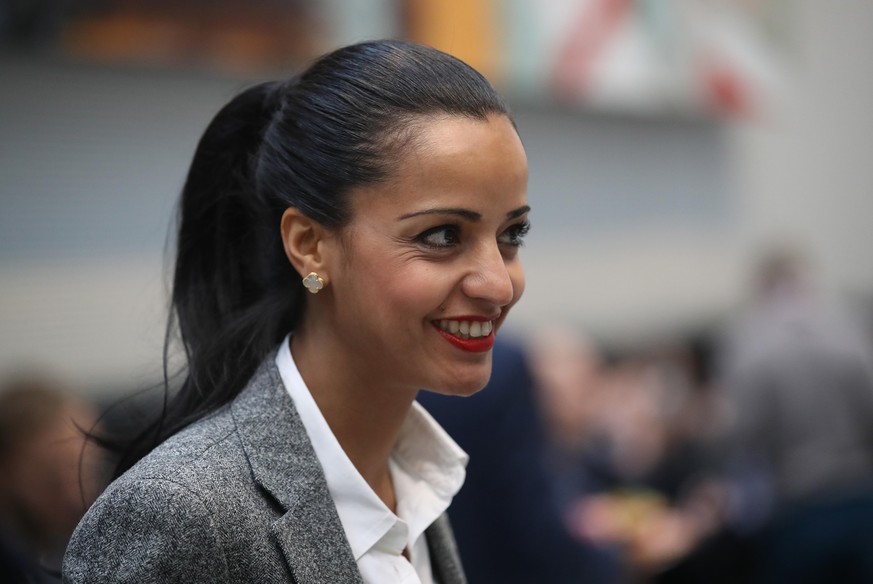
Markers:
point(373, 208)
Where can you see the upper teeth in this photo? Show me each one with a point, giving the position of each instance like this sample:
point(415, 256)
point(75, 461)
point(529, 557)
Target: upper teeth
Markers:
point(467, 329)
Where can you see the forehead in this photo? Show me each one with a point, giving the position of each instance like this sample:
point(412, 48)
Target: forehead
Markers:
point(459, 141)
point(454, 160)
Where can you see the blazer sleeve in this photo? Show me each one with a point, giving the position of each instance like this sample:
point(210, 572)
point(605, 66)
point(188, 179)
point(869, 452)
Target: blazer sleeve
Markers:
point(145, 531)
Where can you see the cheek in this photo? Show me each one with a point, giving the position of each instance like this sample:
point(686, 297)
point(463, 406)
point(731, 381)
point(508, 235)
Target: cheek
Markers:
point(414, 292)
point(390, 292)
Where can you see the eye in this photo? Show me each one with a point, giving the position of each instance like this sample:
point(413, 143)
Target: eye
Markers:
point(514, 234)
point(440, 237)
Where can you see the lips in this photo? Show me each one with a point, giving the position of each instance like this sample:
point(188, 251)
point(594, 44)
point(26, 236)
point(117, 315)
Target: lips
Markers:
point(475, 335)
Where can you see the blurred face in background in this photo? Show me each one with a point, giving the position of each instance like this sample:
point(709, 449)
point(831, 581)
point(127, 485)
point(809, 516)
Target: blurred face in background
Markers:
point(50, 473)
point(567, 370)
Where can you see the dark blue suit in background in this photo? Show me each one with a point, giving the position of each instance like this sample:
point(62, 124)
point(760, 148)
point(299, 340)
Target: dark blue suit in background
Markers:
point(505, 519)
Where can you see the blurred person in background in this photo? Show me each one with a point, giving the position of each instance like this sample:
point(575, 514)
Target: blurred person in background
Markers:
point(49, 475)
point(798, 374)
point(567, 369)
point(627, 445)
point(508, 520)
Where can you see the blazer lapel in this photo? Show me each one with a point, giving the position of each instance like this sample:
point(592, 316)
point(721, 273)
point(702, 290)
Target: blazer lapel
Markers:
point(444, 558)
point(284, 464)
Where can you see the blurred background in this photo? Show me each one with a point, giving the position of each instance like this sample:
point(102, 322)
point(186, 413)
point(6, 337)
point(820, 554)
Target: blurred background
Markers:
point(673, 146)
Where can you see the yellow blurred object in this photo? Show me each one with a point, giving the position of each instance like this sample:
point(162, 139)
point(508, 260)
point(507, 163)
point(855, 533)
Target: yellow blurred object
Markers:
point(467, 29)
point(652, 533)
point(634, 509)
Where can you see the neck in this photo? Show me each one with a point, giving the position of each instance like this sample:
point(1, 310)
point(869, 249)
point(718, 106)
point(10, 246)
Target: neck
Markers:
point(363, 414)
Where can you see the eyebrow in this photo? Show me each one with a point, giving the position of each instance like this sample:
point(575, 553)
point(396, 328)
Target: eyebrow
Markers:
point(463, 213)
point(518, 212)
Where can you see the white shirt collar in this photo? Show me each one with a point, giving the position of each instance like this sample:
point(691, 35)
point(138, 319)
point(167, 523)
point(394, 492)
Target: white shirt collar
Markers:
point(427, 466)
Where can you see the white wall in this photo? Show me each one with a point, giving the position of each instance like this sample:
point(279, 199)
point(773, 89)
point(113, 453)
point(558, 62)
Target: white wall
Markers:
point(807, 173)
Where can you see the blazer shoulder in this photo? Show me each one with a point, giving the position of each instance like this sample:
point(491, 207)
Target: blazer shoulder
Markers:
point(206, 447)
point(204, 453)
point(146, 530)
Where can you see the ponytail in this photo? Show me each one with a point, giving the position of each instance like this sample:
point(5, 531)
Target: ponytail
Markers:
point(234, 292)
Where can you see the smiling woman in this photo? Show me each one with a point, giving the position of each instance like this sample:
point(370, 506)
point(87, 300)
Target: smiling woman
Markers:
point(389, 182)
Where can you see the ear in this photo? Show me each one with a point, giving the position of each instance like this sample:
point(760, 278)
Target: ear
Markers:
point(305, 241)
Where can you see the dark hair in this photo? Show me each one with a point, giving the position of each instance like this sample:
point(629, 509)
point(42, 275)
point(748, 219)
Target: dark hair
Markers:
point(304, 143)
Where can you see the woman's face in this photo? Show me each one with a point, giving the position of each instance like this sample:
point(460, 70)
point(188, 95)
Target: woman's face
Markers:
point(428, 267)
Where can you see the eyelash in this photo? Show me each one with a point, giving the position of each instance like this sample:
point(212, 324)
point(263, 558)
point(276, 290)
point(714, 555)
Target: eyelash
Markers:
point(515, 232)
point(423, 237)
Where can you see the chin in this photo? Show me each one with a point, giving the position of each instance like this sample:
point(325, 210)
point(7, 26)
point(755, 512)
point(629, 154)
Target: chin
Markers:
point(465, 386)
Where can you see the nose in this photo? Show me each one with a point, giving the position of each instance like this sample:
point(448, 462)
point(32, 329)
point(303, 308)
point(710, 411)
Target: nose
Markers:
point(492, 277)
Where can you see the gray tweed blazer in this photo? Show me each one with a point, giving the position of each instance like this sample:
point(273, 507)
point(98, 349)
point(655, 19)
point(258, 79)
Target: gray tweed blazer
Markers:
point(237, 497)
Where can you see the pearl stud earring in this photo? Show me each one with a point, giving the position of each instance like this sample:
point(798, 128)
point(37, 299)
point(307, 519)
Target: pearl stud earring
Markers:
point(313, 282)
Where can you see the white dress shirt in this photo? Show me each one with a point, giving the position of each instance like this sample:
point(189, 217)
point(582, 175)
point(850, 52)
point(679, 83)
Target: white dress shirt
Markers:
point(427, 468)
